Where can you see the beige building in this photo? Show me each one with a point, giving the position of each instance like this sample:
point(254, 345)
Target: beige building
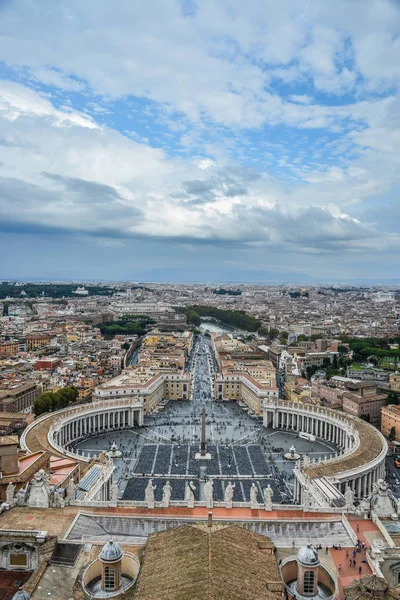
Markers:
point(9, 347)
point(390, 417)
point(394, 382)
point(37, 340)
point(242, 387)
point(298, 390)
point(153, 388)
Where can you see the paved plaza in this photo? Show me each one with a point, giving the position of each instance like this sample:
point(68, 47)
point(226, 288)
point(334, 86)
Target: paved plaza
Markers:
point(242, 449)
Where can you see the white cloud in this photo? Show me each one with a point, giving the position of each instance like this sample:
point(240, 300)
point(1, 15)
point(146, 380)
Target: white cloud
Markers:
point(218, 63)
point(212, 76)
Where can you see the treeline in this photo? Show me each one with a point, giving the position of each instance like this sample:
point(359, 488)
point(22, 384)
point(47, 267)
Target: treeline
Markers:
point(379, 347)
point(126, 325)
point(234, 318)
point(51, 401)
point(52, 290)
point(298, 294)
point(224, 292)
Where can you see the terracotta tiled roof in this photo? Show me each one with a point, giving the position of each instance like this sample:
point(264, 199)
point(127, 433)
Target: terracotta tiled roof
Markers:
point(192, 563)
point(369, 448)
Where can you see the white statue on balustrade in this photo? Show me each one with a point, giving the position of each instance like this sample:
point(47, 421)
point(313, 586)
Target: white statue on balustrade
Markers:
point(149, 494)
point(21, 496)
point(349, 496)
point(189, 494)
point(10, 493)
point(208, 492)
point(71, 491)
point(253, 496)
point(39, 491)
point(167, 491)
point(114, 491)
point(58, 500)
point(306, 461)
point(229, 494)
point(268, 493)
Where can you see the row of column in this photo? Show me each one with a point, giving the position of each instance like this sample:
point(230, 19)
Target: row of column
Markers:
point(84, 425)
point(362, 486)
point(312, 424)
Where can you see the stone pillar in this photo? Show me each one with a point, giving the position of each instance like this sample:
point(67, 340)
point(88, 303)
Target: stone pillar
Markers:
point(359, 487)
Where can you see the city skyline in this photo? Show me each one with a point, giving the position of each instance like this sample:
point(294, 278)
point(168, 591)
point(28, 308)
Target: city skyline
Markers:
point(213, 141)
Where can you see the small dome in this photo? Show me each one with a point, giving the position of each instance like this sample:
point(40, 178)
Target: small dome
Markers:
point(308, 555)
point(21, 595)
point(111, 552)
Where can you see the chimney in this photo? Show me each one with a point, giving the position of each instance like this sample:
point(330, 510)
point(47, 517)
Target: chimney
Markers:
point(209, 520)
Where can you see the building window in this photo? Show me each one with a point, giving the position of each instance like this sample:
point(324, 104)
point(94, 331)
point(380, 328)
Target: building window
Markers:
point(398, 578)
point(309, 582)
point(18, 560)
point(109, 578)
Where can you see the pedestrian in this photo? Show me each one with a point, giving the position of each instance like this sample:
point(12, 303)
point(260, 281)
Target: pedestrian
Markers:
point(347, 554)
point(359, 569)
point(350, 562)
point(358, 529)
point(340, 567)
point(354, 562)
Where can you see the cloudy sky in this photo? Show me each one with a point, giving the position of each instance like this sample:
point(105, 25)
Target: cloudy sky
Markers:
point(211, 140)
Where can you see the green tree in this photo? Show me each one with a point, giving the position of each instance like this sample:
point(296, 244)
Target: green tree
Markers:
point(392, 398)
point(125, 346)
point(392, 434)
point(193, 318)
point(365, 417)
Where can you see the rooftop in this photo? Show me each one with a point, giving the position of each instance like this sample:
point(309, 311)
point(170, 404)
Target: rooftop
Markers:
point(202, 563)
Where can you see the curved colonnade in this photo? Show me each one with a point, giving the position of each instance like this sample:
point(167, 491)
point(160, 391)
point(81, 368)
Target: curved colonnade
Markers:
point(68, 426)
point(363, 447)
point(360, 465)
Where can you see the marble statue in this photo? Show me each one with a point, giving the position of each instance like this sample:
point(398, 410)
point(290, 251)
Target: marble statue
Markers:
point(39, 492)
point(71, 491)
point(307, 502)
point(149, 494)
point(268, 493)
point(189, 494)
point(167, 491)
point(229, 494)
point(4, 506)
point(349, 496)
point(21, 496)
point(208, 492)
point(306, 461)
point(10, 493)
point(383, 502)
point(114, 491)
point(253, 496)
point(58, 500)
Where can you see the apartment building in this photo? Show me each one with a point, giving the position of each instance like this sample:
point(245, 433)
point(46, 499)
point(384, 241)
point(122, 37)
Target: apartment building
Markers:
point(37, 340)
point(9, 347)
point(298, 390)
point(394, 382)
point(390, 417)
point(18, 396)
point(368, 406)
point(327, 393)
